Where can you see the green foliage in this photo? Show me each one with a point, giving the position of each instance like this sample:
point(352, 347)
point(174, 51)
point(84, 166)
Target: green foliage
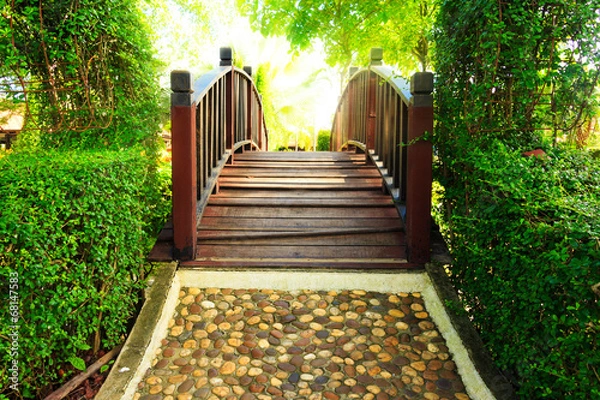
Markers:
point(74, 230)
point(404, 32)
point(517, 71)
point(286, 101)
point(524, 232)
point(85, 69)
point(525, 237)
point(323, 141)
point(348, 29)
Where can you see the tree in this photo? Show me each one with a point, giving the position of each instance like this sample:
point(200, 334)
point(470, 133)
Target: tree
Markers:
point(515, 72)
point(405, 34)
point(288, 85)
point(85, 69)
point(349, 28)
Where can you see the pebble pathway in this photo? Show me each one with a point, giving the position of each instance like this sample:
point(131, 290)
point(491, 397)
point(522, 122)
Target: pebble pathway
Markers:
point(271, 344)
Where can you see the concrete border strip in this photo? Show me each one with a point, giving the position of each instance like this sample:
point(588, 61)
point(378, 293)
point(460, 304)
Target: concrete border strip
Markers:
point(149, 329)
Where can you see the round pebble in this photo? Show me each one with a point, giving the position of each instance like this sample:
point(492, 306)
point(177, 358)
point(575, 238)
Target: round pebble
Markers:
point(255, 344)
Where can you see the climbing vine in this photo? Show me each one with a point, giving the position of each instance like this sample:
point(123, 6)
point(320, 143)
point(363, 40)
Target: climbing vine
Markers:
point(521, 72)
point(84, 69)
point(512, 77)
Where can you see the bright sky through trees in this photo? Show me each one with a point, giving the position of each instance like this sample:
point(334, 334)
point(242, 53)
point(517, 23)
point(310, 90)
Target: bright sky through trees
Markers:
point(303, 88)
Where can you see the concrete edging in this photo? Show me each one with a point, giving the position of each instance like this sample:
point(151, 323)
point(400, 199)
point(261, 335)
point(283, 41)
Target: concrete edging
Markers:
point(136, 356)
point(481, 379)
point(482, 361)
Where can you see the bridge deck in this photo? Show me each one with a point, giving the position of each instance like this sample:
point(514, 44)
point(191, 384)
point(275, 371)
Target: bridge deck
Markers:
point(288, 209)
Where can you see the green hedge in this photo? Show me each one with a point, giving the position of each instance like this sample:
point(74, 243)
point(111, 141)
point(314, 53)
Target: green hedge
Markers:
point(525, 234)
point(74, 232)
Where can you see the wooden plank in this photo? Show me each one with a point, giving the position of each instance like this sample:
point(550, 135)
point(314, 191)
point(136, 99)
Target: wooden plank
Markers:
point(302, 180)
point(322, 194)
point(323, 213)
point(302, 239)
point(162, 251)
point(298, 164)
point(299, 173)
point(299, 156)
point(296, 251)
point(233, 233)
point(365, 264)
point(299, 202)
point(357, 185)
point(283, 224)
point(331, 165)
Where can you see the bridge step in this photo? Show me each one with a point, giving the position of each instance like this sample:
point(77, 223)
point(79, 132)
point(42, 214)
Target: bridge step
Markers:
point(300, 210)
point(297, 210)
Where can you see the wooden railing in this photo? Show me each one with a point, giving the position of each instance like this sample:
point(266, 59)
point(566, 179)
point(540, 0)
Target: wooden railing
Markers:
point(386, 117)
point(211, 119)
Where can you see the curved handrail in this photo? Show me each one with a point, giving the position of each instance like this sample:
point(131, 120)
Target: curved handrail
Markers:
point(211, 119)
point(401, 85)
point(372, 115)
point(229, 117)
point(203, 84)
point(379, 114)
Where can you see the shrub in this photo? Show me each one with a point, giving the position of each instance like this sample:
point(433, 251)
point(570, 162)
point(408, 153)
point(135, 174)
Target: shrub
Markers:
point(525, 234)
point(323, 141)
point(74, 232)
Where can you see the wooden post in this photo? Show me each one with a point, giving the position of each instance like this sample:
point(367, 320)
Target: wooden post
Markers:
point(419, 169)
point(249, 106)
point(262, 145)
point(351, 116)
point(183, 131)
point(227, 61)
point(376, 59)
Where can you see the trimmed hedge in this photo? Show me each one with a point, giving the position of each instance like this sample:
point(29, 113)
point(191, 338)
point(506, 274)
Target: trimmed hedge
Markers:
point(525, 234)
point(74, 232)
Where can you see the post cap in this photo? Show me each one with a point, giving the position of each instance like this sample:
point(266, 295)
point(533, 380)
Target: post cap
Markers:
point(376, 56)
point(248, 70)
point(181, 81)
point(421, 83)
point(352, 71)
point(226, 54)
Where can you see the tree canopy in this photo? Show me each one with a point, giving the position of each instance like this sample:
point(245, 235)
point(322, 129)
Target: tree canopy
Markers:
point(85, 70)
point(348, 29)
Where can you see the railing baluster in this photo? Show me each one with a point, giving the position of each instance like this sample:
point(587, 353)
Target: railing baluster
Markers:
point(230, 107)
point(250, 116)
point(404, 158)
point(202, 138)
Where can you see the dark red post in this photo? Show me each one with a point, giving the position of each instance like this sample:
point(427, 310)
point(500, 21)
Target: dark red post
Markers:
point(419, 166)
point(183, 132)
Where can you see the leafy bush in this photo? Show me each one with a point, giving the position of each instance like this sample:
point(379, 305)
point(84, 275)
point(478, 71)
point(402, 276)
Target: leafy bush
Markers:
point(74, 232)
point(525, 234)
point(323, 141)
point(513, 76)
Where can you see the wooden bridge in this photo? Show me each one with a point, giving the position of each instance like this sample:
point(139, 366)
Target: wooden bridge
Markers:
point(365, 204)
